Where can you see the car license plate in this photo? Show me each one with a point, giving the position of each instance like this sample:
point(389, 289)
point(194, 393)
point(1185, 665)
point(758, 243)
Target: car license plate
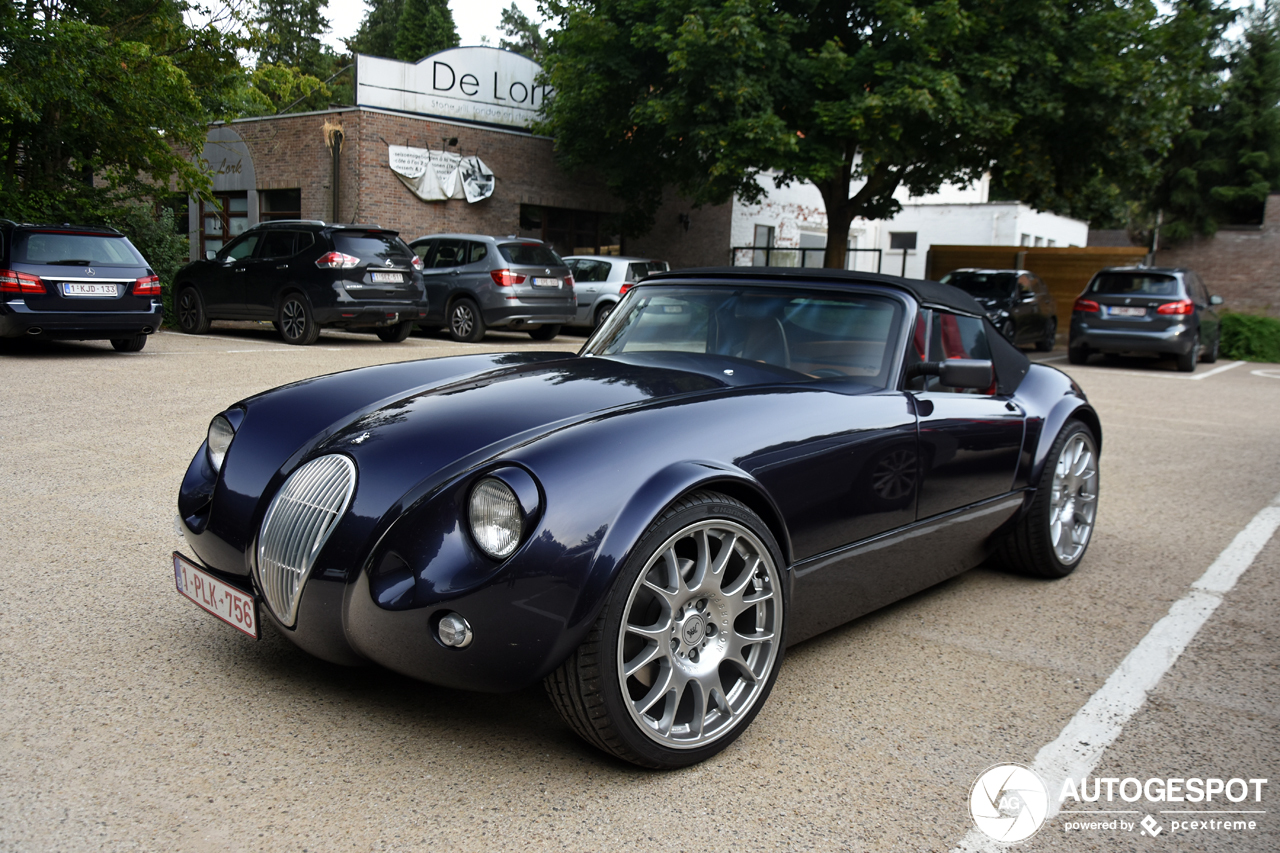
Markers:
point(77, 289)
point(226, 602)
point(546, 282)
point(388, 277)
point(1125, 311)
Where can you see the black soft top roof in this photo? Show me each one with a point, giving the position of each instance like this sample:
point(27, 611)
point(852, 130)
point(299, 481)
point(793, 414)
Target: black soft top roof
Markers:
point(925, 292)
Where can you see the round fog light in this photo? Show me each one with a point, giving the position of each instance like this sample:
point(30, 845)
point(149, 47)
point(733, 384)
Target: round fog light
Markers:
point(454, 631)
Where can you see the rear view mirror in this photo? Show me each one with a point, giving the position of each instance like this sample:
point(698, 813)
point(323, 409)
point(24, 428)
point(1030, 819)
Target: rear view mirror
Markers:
point(957, 372)
point(210, 254)
point(1215, 300)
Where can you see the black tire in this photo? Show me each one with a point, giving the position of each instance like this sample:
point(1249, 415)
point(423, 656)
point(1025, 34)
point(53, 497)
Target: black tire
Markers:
point(1030, 548)
point(588, 688)
point(1210, 354)
point(394, 334)
point(1050, 338)
point(189, 307)
point(603, 312)
point(296, 324)
point(545, 332)
point(466, 325)
point(1187, 360)
point(133, 344)
point(1009, 332)
point(1078, 355)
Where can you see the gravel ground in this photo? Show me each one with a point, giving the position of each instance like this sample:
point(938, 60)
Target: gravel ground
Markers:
point(129, 720)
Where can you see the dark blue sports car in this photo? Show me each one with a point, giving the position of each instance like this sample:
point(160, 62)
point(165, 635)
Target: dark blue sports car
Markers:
point(735, 461)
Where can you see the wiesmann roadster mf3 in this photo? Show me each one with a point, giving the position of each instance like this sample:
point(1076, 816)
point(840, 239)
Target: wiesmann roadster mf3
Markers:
point(735, 461)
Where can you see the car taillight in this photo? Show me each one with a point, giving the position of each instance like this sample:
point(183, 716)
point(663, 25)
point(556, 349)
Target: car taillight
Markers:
point(20, 282)
point(1088, 306)
point(622, 291)
point(1182, 306)
point(568, 280)
point(148, 285)
point(506, 278)
point(417, 262)
point(337, 261)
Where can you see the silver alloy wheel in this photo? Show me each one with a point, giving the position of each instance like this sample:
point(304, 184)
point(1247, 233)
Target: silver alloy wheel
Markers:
point(700, 634)
point(293, 319)
point(1074, 502)
point(461, 320)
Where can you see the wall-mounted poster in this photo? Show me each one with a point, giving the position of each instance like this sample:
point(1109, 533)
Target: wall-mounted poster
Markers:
point(441, 175)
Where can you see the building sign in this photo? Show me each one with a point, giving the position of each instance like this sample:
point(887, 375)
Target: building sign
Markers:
point(440, 175)
point(227, 160)
point(481, 84)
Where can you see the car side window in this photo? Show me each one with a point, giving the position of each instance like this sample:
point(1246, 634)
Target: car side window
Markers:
point(278, 244)
point(941, 335)
point(1038, 285)
point(423, 251)
point(241, 248)
point(1025, 287)
point(589, 271)
point(477, 252)
point(449, 253)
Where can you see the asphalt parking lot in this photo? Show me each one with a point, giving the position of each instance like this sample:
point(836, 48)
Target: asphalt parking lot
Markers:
point(129, 720)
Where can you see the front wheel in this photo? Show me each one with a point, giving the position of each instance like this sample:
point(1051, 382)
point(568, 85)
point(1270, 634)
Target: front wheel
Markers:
point(689, 642)
point(1008, 331)
point(1050, 338)
point(545, 332)
point(1210, 355)
point(1050, 540)
point(465, 323)
point(295, 322)
point(395, 334)
point(1187, 360)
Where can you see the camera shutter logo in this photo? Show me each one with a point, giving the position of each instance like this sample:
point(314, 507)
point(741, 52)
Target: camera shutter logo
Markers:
point(1009, 802)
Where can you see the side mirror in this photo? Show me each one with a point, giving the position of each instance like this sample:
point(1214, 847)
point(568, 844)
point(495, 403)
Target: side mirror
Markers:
point(957, 372)
point(210, 254)
point(1028, 297)
point(1215, 300)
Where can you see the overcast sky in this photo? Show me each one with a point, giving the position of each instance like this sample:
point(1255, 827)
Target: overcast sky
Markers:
point(475, 18)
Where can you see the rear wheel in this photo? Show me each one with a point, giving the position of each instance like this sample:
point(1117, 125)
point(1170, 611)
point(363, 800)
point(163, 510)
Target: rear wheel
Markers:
point(1187, 360)
point(395, 334)
point(689, 642)
point(465, 323)
point(191, 316)
point(296, 324)
point(1078, 355)
point(1050, 540)
point(133, 344)
point(1046, 343)
point(603, 312)
point(545, 332)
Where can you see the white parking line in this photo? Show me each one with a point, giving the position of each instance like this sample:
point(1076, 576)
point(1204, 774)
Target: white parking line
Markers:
point(1079, 747)
point(1224, 367)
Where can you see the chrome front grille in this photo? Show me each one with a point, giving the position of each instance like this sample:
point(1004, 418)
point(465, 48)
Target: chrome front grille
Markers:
point(298, 523)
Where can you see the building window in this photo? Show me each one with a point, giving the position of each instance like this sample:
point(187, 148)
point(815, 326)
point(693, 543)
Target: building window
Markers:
point(902, 240)
point(572, 232)
point(1039, 242)
point(1050, 243)
point(762, 239)
point(274, 205)
point(222, 220)
point(812, 248)
point(1026, 239)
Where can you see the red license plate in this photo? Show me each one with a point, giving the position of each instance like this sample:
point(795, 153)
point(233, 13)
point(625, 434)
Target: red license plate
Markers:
point(229, 604)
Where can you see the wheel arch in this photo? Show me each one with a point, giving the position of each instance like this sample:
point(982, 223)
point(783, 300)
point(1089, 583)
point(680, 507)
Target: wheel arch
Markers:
point(1070, 408)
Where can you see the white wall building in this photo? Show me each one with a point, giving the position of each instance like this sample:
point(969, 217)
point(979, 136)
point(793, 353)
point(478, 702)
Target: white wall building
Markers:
point(791, 220)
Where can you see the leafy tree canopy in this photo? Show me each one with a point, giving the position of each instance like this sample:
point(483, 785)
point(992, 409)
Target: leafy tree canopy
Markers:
point(377, 33)
point(1065, 99)
point(523, 36)
point(425, 27)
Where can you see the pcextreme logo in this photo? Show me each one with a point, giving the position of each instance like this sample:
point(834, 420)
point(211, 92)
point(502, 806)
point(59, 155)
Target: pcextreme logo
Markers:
point(1010, 803)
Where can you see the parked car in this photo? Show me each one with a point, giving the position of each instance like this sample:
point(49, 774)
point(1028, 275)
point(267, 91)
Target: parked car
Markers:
point(76, 283)
point(1017, 302)
point(477, 283)
point(799, 447)
point(601, 280)
point(1146, 311)
point(305, 275)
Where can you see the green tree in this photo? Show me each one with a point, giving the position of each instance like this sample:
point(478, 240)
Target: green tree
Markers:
point(860, 98)
point(425, 27)
point(523, 35)
point(295, 70)
point(377, 33)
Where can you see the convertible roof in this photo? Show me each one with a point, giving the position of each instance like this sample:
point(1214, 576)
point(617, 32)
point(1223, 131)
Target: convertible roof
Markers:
point(925, 292)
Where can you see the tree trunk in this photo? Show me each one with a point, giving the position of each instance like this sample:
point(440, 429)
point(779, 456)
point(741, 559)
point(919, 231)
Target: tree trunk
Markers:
point(839, 218)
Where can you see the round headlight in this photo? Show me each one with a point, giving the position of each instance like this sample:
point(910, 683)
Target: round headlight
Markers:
point(495, 518)
point(220, 434)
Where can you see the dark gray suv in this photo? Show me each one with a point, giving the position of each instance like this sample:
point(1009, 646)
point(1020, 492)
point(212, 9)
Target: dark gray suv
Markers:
point(1146, 310)
point(475, 282)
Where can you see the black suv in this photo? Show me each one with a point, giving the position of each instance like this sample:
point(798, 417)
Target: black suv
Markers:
point(302, 275)
point(1017, 302)
point(76, 283)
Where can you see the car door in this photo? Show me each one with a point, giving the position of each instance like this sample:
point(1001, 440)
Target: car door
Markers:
point(224, 289)
point(970, 441)
point(589, 276)
point(268, 270)
point(1027, 318)
point(1210, 323)
point(435, 284)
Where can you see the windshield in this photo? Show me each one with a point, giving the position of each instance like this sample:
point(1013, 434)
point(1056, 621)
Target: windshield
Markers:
point(983, 285)
point(530, 255)
point(1134, 284)
point(811, 335)
point(50, 247)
